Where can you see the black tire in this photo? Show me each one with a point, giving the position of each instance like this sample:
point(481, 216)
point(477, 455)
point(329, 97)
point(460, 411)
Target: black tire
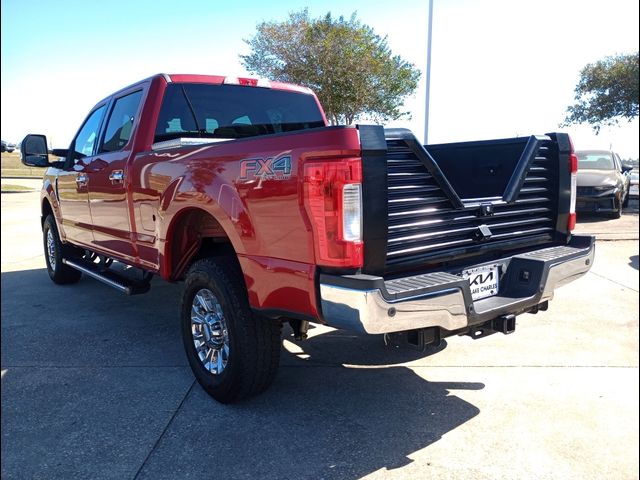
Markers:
point(253, 341)
point(618, 209)
point(58, 272)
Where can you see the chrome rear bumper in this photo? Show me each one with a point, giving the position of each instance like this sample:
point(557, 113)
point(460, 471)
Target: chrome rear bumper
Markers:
point(370, 304)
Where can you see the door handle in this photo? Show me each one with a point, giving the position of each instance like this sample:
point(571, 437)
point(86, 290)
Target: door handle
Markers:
point(117, 176)
point(82, 179)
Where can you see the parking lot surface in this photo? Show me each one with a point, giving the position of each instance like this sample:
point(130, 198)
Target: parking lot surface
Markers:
point(96, 385)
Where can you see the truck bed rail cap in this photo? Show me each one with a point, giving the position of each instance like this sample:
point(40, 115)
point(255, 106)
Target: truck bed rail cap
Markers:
point(185, 142)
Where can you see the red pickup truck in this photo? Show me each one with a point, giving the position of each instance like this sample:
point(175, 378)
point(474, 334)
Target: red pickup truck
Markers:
point(239, 188)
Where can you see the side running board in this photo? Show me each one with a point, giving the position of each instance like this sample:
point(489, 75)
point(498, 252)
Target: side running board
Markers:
point(126, 285)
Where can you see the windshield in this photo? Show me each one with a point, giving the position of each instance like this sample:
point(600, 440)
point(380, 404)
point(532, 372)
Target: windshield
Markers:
point(595, 160)
point(232, 111)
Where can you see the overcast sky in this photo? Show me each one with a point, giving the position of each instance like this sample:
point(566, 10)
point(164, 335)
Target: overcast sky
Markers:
point(499, 68)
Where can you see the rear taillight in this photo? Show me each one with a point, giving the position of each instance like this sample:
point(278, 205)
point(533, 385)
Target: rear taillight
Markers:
point(573, 170)
point(333, 202)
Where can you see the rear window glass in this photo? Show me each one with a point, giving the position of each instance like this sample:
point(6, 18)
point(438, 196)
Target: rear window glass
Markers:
point(232, 111)
point(595, 160)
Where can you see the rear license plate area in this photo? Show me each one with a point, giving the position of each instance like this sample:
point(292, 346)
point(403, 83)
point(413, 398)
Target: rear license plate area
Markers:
point(483, 281)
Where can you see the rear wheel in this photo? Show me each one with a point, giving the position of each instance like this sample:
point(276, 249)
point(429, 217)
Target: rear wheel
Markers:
point(233, 352)
point(54, 252)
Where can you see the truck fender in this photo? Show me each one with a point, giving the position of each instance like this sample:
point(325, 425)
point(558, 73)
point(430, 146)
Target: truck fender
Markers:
point(216, 211)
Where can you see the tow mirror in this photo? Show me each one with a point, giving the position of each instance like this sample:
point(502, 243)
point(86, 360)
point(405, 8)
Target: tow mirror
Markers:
point(34, 151)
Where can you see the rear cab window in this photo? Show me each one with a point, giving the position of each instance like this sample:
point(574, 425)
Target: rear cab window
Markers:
point(232, 111)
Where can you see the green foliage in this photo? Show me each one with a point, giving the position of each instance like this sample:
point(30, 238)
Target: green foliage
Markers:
point(607, 92)
point(349, 67)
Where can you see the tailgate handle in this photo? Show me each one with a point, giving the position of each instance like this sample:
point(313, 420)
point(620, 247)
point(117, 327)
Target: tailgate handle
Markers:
point(117, 176)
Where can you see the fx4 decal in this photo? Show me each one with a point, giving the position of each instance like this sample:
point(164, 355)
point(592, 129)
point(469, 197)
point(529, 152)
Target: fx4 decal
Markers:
point(278, 168)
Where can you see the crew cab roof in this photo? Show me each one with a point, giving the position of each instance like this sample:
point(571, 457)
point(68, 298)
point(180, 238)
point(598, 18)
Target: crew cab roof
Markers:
point(215, 80)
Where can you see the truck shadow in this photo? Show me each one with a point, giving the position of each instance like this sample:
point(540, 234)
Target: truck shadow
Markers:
point(365, 410)
point(342, 405)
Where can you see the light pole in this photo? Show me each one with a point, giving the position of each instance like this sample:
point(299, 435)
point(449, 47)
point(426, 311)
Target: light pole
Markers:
point(426, 106)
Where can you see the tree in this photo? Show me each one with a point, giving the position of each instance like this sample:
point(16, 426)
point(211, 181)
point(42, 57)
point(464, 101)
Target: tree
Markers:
point(349, 67)
point(607, 92)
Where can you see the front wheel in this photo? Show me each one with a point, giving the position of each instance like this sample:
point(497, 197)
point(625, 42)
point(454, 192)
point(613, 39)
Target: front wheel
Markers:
point(54, 251)
point(233, 352)
point(617, 205)
point(625, 204)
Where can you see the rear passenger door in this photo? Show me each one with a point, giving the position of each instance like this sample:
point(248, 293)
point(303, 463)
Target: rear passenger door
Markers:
point(108, 177)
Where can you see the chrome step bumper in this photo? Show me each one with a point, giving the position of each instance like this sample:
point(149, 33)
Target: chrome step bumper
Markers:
point(442, 299)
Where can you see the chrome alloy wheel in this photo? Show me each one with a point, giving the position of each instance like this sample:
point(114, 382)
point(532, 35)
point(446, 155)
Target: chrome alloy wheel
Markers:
point(51, 249)
point(209, 331)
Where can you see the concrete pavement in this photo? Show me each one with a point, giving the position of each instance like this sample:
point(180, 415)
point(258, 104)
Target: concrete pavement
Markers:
point(96, 385)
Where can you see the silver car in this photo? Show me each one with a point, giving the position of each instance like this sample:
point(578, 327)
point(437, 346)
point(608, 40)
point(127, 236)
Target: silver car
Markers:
point(633, 191)
point(8, 147)
point(603, 182)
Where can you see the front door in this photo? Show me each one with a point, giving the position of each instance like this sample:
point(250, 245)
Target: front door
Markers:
point(108, 179)
point(72, 184)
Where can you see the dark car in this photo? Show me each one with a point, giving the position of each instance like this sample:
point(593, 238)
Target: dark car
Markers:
point(603, 182)
point(8, 147)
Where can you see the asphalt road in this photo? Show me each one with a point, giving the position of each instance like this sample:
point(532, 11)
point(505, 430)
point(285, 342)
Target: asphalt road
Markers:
point(96, 385)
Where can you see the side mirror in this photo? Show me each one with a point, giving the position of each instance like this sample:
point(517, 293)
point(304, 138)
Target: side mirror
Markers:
point(60, 152)
point(33, 151)
point(626, 168)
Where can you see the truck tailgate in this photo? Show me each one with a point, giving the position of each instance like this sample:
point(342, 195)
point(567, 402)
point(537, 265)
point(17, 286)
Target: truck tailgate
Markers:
point(455, 202)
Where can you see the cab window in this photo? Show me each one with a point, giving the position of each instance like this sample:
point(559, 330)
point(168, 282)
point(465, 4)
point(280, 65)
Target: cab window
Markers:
point(86, 139)
point(232, 111)
point(120, 123)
